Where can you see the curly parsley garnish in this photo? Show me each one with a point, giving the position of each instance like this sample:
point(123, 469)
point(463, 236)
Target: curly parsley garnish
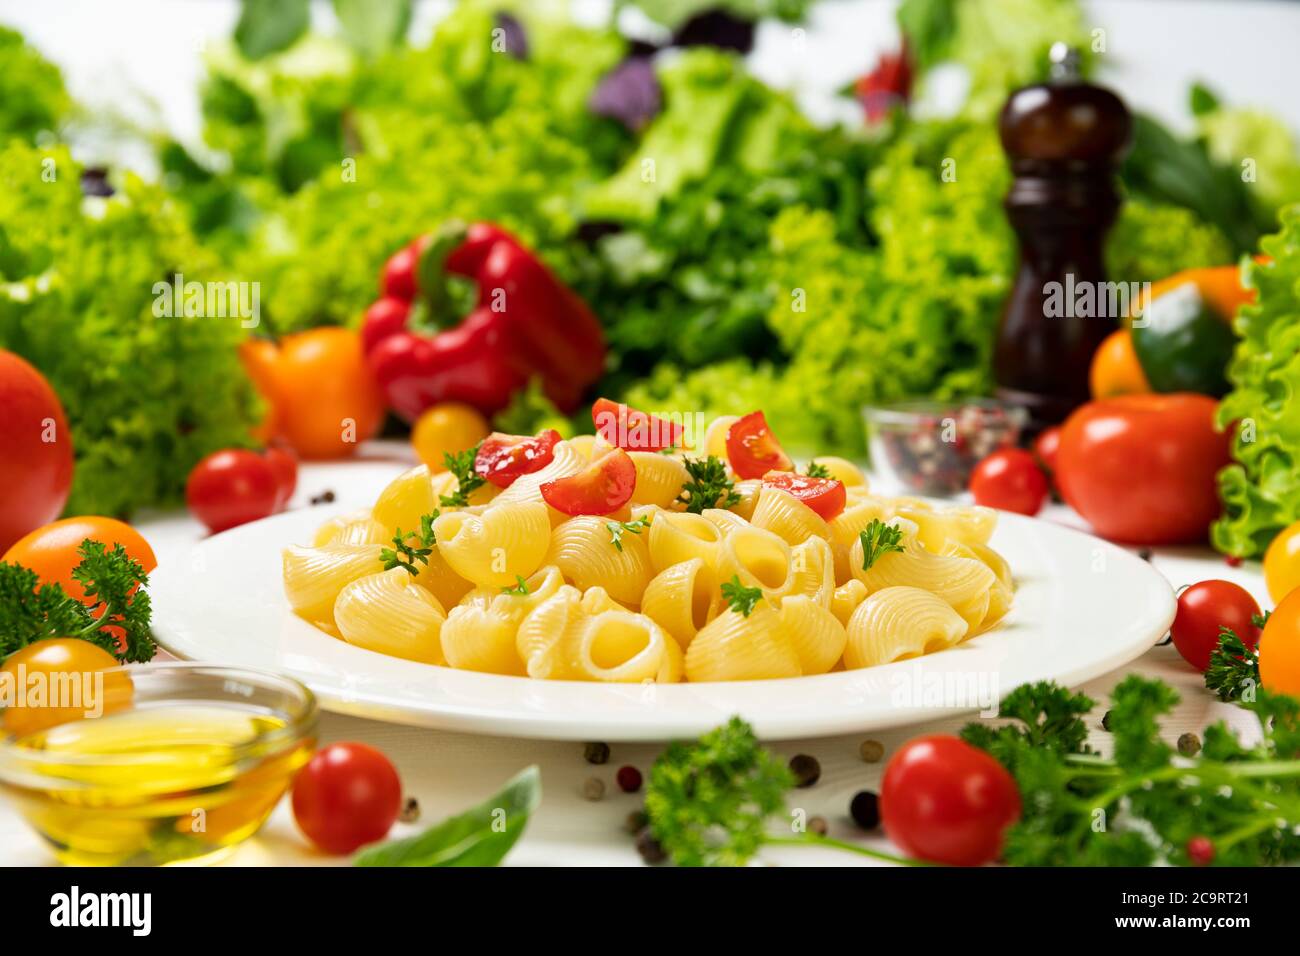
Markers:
point(817, 470)
point(618, 528)
point(31, 611)
point(740, 598)
point(878, 540)
point(404, 555)
point(1233, 673)
point(708, 487)
point(461, 464)
point(520, 588)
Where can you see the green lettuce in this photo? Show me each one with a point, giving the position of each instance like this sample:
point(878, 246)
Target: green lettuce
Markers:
point(32, 95)
point(146, 396)
point(1261, 492)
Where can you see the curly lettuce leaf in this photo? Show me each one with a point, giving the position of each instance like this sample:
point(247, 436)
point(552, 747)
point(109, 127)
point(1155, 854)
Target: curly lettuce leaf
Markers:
point(32, 96)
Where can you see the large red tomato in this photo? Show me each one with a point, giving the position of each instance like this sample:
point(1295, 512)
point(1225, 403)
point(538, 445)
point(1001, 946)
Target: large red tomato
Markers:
point(1141, 468)
point(35, 451)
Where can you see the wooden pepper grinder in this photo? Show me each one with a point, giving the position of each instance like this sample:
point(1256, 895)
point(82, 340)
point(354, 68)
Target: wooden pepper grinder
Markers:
point(1064, 140)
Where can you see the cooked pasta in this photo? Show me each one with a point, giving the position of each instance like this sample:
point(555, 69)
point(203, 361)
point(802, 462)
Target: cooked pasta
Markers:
point(770, 584)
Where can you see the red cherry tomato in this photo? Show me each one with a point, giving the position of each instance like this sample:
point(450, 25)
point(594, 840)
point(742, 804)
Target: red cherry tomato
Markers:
point(284, 465)
point(386, 316)
point(1046, 445)
point(602, 487)
point(346, 796)
point(948, 802)
point(1009, 479)
point(625, 427)
point(398, 279)
point(1203, 609)
point(230, 488)
point(753, 450)
point(35, 450)
point(1141, 468)
point(826, 496)
point(502, 458)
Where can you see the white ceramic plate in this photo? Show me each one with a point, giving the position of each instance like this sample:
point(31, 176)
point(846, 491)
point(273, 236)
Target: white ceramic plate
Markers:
point(1083, 607)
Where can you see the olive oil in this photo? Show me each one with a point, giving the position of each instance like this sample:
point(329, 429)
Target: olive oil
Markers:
point(163, 783)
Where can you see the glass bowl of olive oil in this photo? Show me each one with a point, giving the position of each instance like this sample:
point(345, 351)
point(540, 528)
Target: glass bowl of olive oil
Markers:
point(188, 769)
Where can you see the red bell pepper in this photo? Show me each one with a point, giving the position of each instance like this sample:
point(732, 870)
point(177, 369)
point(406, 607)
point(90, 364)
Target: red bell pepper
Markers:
point(525, 323)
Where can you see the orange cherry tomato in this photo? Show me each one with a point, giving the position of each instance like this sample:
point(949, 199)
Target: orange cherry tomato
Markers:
point(329, 402)
point(260, 359)
point(625, 427)
point(601, 488)
point(447, 428)
point(753, 450)
point(1279, 648)
point(51, 551)
point(1115, 368)
point(1282, 563)
point(57, 705)
point(826, 496)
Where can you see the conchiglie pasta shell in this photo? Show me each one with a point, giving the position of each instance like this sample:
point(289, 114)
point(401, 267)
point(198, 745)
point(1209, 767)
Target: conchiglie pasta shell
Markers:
point(624, 647)
point(842, 470)
point(331, 529)
point(748, 491)
point(817, 637)
point(847, 598)
point(659, 478)
point(495, 548)
point(313, 577)
point(583, 445)
point(674, 538)
point(964, 583)
point(715, 436)
point(733, 647)
point(897, 623)
point(480, 633)
point(787, 517)
point(405, 500)
point(812, 571)
point(544, 632)
point(682, 598)
point(443, 583)
point(363, 531)
point(758, 558)
point(844, 531)
point(583, 551)
point(390, 614)
point(446, 483)
point(938, 524)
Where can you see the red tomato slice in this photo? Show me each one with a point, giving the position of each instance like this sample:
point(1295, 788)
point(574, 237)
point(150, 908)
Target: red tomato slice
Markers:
point(625, 427)
point(753, 450)
point(502, 458)
point(602, 487)
point(825, 496)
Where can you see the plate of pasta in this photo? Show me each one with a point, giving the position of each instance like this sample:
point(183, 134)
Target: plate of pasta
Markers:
point(651, 580)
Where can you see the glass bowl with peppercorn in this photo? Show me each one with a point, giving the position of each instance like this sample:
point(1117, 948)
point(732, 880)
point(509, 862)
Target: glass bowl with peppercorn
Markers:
point(929, 447)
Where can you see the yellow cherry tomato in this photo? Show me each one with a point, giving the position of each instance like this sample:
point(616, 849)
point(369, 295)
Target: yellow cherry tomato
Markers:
point(447, 428)
point(1279, 648)
point(1282, 563)
point(45, 701)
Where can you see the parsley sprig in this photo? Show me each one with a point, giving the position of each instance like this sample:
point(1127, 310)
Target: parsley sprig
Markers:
point(817, 470)
point(617, 529)
point(520, 587)
point(404, 555)
point(740, 598)
point(461, 464)
point(1233, 673)
point(117, 603)
point(878, 539)
point(708, 487)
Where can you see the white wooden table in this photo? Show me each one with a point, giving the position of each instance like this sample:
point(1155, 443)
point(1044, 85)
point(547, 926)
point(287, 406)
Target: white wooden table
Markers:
point(448, 772)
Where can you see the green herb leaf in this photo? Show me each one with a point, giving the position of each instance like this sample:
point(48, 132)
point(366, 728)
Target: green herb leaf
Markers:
point(878, 539)
point(708, 487)
point(403, 555)
point(617, 528)
point(740, 598)
point(817, 470)
point(1233, 673)
point(481, 836)
point(373, 26)
point(461, 464)
point(269, 26)
point(520, 588)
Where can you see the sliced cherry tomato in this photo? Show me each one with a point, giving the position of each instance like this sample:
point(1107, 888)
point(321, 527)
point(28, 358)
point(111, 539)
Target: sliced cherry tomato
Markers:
point(64, 656)
point(398, 279)
point(826, 496)
point(946, 801)
point(1011, 480)
point(602, 487)
point(1046, 445)
point(1282, 563)
point(503, 458)
point(230, 488)
point(346, 796)
point(1205, 607)
point(753, 450)
point(387, 315)
point(1279, 648)
point(284, 465)
point(625, 427)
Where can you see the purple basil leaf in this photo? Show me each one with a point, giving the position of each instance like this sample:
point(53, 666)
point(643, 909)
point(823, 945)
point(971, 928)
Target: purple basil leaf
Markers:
point(94, 182)
point(515, 37)
point(629, 93)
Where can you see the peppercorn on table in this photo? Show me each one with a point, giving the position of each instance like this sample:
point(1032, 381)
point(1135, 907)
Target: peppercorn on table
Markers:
point(581, 822)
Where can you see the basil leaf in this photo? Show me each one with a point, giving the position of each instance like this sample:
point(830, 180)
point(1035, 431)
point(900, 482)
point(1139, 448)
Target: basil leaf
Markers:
point(373, 26)
point(481, 836)
point(268, 26)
